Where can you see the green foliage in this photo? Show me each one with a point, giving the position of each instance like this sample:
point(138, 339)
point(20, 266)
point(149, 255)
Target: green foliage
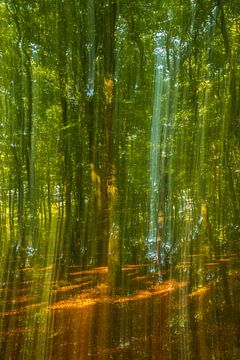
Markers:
point(55, 61)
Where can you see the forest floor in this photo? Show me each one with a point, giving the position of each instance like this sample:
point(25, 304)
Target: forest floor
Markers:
point(76, 315)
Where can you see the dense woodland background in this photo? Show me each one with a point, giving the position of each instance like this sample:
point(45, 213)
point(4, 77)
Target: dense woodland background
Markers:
point(119, 179)
point(79, 86)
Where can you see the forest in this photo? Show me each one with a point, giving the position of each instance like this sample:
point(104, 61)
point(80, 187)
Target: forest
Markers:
point(120, 179)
